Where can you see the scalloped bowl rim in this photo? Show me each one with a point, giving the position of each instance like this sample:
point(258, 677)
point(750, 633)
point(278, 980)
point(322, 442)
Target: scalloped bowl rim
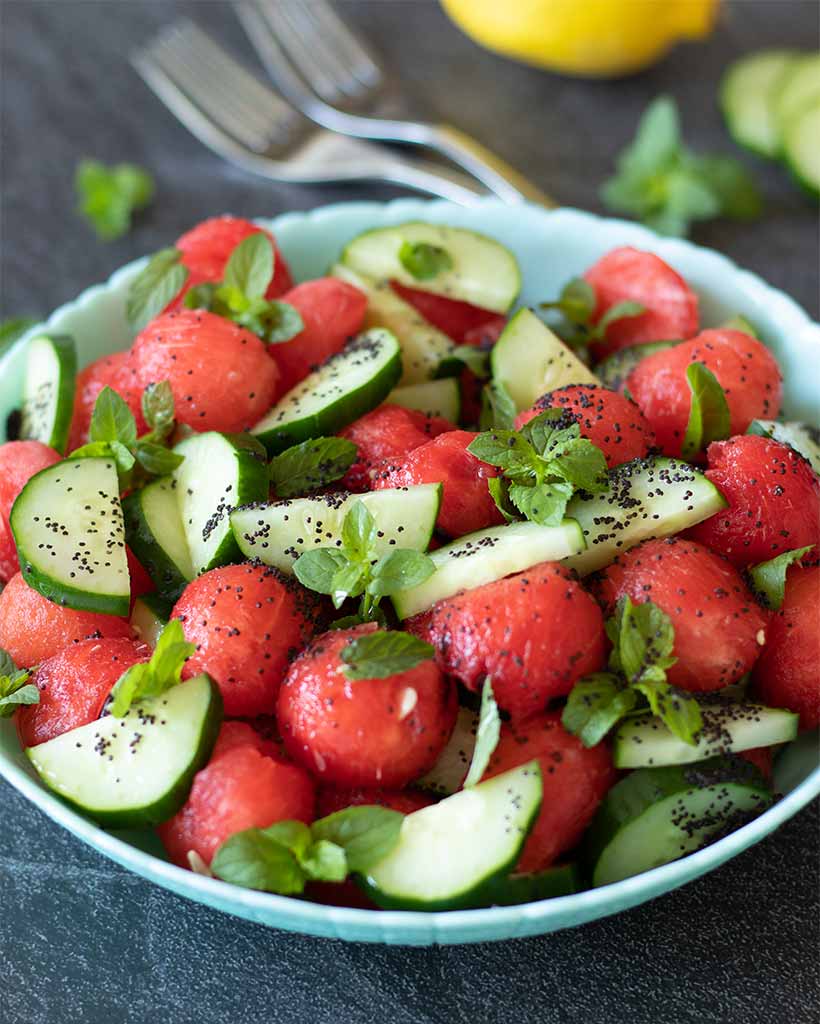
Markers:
point(413, 927)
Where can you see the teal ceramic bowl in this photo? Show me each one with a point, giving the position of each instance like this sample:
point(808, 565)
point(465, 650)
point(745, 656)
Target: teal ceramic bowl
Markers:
point(551, 246)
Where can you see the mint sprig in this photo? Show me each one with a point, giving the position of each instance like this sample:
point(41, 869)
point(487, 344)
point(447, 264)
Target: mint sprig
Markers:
point(642, 638)
point(768, 579)
point(708, 412)
point(354, 569)
point(543, 465)
point(160, 281)
point(15, 689)
point(423, 260)
point(310, 465)
point(383, 654)
point(487, 734)
point(664, 184)
point(154, 677)
point(576, 304)
point(285, 856)
point(109, 196)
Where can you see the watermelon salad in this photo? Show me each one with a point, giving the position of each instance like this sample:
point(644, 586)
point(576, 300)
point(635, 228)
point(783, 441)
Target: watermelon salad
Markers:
point(377, 591)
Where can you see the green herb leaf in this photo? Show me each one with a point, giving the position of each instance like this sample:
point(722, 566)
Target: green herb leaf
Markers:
point(13, 689)
point(576, 302)
point(507, 449)
point(122, 456)
point(476, 360)
point(708, 413)
point(678, 710)
point(399, 570)
point(382, 654)
point(250, 267)
point(310, 465)
point(619, 311)
point(486, 737)
point(424, 261)
point(596, 703)
point(7, 666)
point(201, 296)
point(325, 862)
point(497, 407)
point(154, 287)
point(366, 833)
point(315, 569)
point(768, 579)
point(256, 860)
point(153, 678)
point(544, 504)
point(14, 329)
point(642, 639)
point(278, 322)
point(157, 459)
point(349, 580)
point(110, 195)
point(158, 409)
point(499, 492)
point(358, 531)
point(112, 420)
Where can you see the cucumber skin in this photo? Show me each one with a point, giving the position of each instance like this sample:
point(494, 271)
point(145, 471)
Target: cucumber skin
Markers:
point(167, 806)
point(167, 578)
point(67, 357)
point(614, 370)
point(563, 880)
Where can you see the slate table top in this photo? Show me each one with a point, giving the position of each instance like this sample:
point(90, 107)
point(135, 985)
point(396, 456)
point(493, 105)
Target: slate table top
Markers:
point(84, 941)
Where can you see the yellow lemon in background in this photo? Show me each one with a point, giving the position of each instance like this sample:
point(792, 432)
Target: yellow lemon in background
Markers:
point(584, 37)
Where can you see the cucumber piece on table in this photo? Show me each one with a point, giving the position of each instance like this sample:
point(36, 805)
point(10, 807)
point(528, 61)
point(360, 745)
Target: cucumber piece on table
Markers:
point(481, 271)
point(68, 527)
point(489, 555)
point(797, 89)
point(432, 397)
point(449, 772)
point(426, 351)
point(345, 387)
point(220, 472)
point(728, 727)
point(804, 438)
point(48, 390)
point(529, 360)
point(279, 532)
point(449, 855)
point(154, 532)
point(748, 94)
point(135, 771)
point(657, 815)
point(651, 497)
point(613, 371)
point(149, 617)
point(801, 149)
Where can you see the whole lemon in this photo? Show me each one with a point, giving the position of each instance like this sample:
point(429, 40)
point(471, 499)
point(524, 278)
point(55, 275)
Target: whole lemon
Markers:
point(584, 37)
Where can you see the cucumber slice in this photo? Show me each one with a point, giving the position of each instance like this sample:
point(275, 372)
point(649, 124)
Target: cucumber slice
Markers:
point(75, 554)
point(804, 438)
point(48, 390)
point(425, 350)
point(748, 94)
point(345, 387)
point(433, 398)
point(483, 271)
point(135, 771)
point(651, 497)
point(220, 472)
point(448, 773)
point(449, 854)
point(800, 147)
point(796, 89)
point(738, 322)
point(149, 617)
point(489, 555)
point(154, 532)
point(529, 360)
point(657, 815)
point(545, 885)
point(613, 371)
point(278, 533)
point(728, 727)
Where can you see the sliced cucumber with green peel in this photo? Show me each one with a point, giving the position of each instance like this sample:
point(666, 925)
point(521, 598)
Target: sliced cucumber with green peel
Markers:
point(796, 90)
point(480, 271)
point(651, 497)
point(613, 371)
point(451, 854)
point(426, 352)
point(154, 532)
point(801, 150)
point(657, 815)
point(728, 727)
point(489, 555)
point(448, 773)
point(530, 360)
point(748, 98)
point(48, 390)
point(135, 771)
point(220, 472)
point(149, 617)
point(804, 438)
point(432, 397)
point(68, 527)
point(345, 387)
point(543, 885)
point(279, 532)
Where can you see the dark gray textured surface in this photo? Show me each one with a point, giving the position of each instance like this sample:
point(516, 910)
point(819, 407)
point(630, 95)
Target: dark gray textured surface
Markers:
point(85, 942)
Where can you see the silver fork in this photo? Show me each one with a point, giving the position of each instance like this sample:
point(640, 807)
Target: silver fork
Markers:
point(328, 74)
point(229, 110)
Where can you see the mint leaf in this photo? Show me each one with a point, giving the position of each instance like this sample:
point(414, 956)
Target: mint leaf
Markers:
point(544, 504)
point(110, 195)
point(154, 287)
point(576, 302)
point(642, 639)
point(325, 862)
point(678, 710)
point(475, 359)
point(256, 860)
point(278, 322)
point(618, 311)
point(737, 194)
point(486, 737)
point(497, 407)
point(657, 140)
point(201, 296)
point(382, 654)
point(768, 579)
point(366, 833)
point(7, 666)
point(504, 448)
point(708, 413)
point(158, 409)
point(424, 261)
point(399, 570)
point(315, 569)
point(349, 580)
point(156, 459)
point(112, 420)
point(14, 691)
point(358, 531)
point(250, 267)
point(310, 465)
point(122, 456)
point(154, 677)
point(596, 703)
point(499, 492)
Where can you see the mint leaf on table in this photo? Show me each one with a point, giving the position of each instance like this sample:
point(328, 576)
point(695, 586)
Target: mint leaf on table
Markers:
point(768, 579)
point(668, 187)
point(15, 689)
point(366, 833)
point(708, 412)
point(486, 736)
point(382, 654)
point(577, 304)
point(110, 195)
point(310, 465)
point(424, 261)
point(154, 677)
point(160, 281)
